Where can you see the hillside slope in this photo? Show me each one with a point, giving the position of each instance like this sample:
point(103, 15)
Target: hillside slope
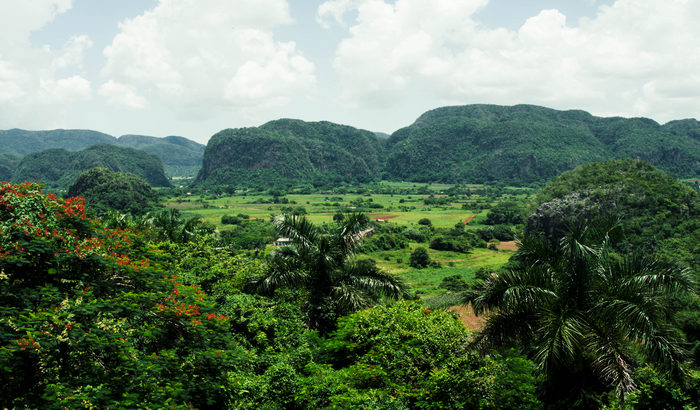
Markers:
point(8, 163)
point(23, 142)
point(58, 168)
point(526, 144)
point(291, 152)
point(180, 156)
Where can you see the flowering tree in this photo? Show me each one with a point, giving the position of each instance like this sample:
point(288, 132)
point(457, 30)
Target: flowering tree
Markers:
point(87, 320)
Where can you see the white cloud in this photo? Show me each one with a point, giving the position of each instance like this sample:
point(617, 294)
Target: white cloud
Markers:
point(19, 18)
point(198, 56)
point(636, 57)
point(73, 53)
point(37, 84)
point(121, 95)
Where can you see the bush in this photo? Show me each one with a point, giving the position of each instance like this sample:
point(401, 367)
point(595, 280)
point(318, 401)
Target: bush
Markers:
point(454, 283)
point(383, 242)
point(419, 258)
point(409, 356)
point(230, 220)
point(424, 221)
point(498, 232)
point(416, 235)
point(445, 243)
point(506, 213)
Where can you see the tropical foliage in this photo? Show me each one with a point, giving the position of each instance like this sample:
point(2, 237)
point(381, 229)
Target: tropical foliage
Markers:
point(585, 316)
point(321, 263)
point(407, 356)
point(87, 320)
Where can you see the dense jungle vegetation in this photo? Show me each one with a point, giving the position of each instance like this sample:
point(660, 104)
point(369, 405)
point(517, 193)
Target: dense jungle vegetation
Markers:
point(192, 306)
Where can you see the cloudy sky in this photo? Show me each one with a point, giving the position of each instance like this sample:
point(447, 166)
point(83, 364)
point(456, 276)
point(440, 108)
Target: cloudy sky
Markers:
point(194, 67)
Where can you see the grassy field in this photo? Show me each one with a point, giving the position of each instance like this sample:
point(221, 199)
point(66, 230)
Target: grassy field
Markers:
point(427, 281)
point(401, 209)
point(320, 208)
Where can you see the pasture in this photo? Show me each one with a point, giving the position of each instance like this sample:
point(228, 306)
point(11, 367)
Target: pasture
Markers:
point(443, 211)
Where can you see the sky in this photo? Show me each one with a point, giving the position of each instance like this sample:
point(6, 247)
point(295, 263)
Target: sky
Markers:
point(194, 67)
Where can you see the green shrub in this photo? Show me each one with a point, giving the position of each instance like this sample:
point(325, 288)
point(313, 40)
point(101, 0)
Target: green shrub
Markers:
point(419, 258)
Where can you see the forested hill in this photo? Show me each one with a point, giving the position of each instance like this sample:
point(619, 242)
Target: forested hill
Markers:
point(181, 157)
point(8, 163)
point(58, 168)
point(23, 142)
point(525, 144)
point(291, 152)
point(516, 145)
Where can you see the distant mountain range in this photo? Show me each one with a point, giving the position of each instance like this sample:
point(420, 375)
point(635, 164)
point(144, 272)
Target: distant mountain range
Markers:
point(526, 144)
point(517, 145)
point(180, 156)
point(58, 168)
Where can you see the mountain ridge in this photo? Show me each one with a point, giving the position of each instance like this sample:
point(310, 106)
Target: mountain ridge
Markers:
point(478, 143)
point(180, 156)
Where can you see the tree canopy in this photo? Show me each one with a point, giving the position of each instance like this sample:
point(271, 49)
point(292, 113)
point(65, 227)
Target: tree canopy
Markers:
point(104, 190)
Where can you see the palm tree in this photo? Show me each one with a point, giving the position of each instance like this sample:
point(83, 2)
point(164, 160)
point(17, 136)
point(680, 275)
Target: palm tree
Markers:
point(579, 311)
point(169, 225)
point(322, 263)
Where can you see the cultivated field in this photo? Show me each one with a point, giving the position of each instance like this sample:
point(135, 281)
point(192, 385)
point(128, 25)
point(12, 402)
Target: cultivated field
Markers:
point(389, 208)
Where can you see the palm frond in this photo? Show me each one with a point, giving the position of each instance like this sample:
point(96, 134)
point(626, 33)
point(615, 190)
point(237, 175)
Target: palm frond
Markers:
point(536, 250)
point(638, 318)
point(350, 298)
point(503, 327)
point(512, 290)
point(374, 281)
point(275, 279)
point(285, 269)
point(297, 228)
point(664, 347)
point(350, 232)
point(612, 363)
point(559, 339)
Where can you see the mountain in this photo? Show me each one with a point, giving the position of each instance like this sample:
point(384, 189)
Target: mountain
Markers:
point(22, 142)
point(530, 144)
point(58, 168)
point(8, 163)
point(291, 152)
point(180, 156)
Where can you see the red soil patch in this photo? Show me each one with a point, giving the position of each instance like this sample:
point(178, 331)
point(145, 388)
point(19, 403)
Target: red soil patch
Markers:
point(467, 317)
point(507, 246)
point(466, 221)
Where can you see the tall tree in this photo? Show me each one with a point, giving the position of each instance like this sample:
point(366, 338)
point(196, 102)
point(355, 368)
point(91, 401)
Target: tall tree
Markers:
point(322, 263)
point(584, 316)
